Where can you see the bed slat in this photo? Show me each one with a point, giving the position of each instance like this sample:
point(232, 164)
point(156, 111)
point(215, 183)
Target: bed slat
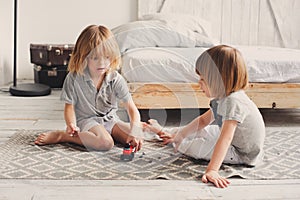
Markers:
point(189, 95)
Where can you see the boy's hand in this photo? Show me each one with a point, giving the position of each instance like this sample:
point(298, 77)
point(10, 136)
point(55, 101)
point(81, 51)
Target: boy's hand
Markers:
point(135, 142)
point(72, 130)
point(166, 137)
point(135, 138)
point(176, 139)
point(214, 177)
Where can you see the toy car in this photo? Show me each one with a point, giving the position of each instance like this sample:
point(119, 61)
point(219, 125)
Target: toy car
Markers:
point(128, 153)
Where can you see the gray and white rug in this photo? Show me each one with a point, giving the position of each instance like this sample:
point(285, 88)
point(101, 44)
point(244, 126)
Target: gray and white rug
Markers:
point(21, 159)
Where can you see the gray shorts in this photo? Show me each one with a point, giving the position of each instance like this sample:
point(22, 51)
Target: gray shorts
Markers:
point(87, 124)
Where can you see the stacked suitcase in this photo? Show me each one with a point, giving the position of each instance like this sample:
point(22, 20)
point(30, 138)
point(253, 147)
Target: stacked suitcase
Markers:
point(50, 63)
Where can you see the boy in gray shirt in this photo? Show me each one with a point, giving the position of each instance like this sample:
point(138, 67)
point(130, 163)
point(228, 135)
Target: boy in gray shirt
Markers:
point(91, 92)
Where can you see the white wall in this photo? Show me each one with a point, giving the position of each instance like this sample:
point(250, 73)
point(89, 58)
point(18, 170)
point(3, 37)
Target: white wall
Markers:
point(54, 21)
point(6, 39)
point(252, 22)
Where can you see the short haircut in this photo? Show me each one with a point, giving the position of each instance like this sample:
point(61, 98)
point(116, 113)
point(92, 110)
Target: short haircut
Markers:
point(92, 40)
point(223, 69)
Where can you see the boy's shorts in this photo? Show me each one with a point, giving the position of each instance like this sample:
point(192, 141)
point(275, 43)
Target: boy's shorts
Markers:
point(86, 125)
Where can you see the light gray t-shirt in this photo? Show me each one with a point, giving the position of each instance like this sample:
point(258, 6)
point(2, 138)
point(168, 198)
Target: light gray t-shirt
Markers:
point(249, 135)
point(90, 104)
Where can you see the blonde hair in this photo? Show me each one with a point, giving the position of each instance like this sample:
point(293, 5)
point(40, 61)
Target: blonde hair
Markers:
point(223, 69)
point(91, 41)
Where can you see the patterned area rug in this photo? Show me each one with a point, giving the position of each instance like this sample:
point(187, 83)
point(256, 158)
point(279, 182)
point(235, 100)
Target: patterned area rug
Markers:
point(21, 159)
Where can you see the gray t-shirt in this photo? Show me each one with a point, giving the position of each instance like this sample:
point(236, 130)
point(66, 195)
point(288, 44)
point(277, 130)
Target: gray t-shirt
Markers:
point(90, 104)
point(249, 135)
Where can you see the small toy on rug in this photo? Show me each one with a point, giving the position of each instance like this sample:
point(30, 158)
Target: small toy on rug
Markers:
point(128, 153)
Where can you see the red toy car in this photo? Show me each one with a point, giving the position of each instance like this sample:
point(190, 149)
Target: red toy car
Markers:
point(128, 153)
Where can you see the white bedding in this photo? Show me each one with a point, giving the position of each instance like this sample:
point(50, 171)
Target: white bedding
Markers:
point(164, 48)
point(156, 64)
point(160, 64)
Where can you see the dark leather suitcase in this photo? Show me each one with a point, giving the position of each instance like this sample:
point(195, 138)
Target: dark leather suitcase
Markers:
point(50, 54)
point(51, 76)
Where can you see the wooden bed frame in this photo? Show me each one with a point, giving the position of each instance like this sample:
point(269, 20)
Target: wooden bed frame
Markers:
point(189, 95)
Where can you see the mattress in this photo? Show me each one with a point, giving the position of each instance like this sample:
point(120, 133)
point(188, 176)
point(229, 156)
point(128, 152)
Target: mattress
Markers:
point(156, 64)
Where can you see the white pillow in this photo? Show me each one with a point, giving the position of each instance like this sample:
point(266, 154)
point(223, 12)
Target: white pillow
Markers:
point(185, 24)
point(151, 33)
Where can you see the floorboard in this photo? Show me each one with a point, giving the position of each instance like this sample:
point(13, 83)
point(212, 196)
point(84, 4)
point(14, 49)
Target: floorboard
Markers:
point(46, 113)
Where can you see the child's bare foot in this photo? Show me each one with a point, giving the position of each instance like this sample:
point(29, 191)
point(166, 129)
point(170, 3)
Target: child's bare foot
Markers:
point(154, 126)
point(52, 137)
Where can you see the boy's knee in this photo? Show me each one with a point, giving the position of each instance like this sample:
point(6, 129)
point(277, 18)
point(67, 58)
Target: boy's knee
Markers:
point(108, 145)
point(104, 144)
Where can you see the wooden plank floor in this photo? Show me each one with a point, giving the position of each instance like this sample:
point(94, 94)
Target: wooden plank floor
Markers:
point(18, 113)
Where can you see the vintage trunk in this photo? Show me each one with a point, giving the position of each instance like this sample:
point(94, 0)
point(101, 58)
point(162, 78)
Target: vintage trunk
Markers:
point(50, 54)
point(51, 76)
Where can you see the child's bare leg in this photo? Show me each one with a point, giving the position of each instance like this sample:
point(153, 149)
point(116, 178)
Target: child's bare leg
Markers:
point(155, 127)
point(96, 138)
point(54, 137)
point(120, 133)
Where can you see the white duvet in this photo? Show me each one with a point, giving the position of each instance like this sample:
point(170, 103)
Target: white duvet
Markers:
point(155, 64)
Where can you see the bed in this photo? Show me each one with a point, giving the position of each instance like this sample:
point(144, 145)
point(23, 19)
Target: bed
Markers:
point(158, 61)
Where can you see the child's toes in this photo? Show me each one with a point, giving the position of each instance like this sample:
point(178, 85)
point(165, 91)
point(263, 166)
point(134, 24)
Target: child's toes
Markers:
point(152, 121)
